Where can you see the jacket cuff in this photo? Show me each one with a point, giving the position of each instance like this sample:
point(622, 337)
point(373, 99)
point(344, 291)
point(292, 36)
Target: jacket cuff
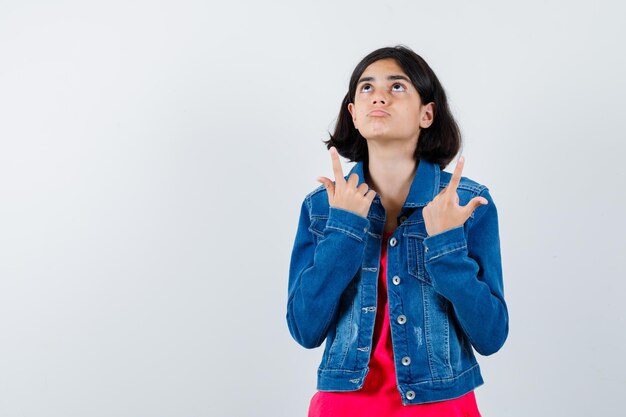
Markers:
point(348, 222)
point(448, 241)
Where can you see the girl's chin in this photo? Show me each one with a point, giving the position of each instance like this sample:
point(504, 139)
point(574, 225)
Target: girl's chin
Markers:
point(388, 134)
point(378, 136)
point(376, 133)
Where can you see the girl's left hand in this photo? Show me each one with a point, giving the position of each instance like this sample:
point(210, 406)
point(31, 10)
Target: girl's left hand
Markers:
point(444, 211)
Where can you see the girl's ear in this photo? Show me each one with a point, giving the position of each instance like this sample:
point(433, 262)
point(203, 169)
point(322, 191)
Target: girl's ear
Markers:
point(351, 110)
point(427, 115)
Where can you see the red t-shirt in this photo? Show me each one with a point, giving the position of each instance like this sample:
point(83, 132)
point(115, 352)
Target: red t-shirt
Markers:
point(379, 395)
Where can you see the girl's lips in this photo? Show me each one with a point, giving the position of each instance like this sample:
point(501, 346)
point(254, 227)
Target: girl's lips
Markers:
point(378, 113)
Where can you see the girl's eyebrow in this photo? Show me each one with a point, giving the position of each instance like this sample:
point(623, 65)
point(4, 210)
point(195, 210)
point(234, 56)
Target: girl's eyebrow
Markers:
point(391, 77)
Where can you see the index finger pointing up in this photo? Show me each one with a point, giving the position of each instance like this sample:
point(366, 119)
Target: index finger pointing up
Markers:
point(456, 176)
point(337, 170)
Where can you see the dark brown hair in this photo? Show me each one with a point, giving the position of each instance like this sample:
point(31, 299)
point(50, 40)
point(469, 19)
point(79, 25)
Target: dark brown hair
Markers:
point(438, 143)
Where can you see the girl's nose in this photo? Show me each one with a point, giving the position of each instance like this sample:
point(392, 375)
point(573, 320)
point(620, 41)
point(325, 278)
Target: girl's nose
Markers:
point(379, 98)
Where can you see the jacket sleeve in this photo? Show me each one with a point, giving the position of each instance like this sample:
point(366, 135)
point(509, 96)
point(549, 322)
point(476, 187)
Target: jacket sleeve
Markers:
point(468, 272)
point(320, 269)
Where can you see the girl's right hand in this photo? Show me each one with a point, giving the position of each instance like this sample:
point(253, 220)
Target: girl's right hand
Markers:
point(346, 194)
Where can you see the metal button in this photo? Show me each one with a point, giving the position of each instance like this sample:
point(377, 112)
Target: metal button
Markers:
point(401, 319)
point(410, 395)
point(402, 219)
point(393, 241)
point(396, 280)
point(406, 361)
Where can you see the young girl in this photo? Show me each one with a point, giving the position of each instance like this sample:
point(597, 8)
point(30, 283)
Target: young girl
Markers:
point(397, 264)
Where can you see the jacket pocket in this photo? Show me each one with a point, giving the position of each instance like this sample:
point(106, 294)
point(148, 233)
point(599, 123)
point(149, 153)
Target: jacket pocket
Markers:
point(415, 256)
point(437, 332)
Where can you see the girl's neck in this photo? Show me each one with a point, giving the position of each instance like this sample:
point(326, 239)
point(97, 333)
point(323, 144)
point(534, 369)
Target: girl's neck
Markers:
point(391, 176)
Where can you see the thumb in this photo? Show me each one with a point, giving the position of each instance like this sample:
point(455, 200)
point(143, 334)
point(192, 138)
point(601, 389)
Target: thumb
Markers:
point(328, 184)
point(474, 203)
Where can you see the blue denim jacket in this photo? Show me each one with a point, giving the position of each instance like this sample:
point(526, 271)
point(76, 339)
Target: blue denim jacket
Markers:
point(445, 291)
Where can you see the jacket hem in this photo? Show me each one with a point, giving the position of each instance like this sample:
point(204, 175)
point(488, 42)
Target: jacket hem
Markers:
point(337, 380)
point(443, 389)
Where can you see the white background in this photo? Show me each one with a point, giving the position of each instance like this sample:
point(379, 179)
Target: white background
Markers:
point(154, 156)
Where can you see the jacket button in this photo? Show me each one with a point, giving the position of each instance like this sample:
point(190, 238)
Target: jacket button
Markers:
point(410, 395)
point(402, 219)
point(393, 241)
point(401, 319)
point(406, 361)
point(396, 280)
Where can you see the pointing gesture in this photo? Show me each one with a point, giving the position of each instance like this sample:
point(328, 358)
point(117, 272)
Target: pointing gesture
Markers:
point(346, 194)
point(444, 211)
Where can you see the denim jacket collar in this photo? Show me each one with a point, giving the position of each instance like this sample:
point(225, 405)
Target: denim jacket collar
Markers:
point(424, 187)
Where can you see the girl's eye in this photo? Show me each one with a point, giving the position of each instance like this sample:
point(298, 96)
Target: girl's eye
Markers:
point(401, 87)
point(396, 87)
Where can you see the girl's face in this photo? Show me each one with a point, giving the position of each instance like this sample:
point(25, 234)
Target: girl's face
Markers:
point(387, 105)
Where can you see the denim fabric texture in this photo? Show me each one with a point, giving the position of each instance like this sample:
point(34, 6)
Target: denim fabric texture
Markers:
point(445, 291)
